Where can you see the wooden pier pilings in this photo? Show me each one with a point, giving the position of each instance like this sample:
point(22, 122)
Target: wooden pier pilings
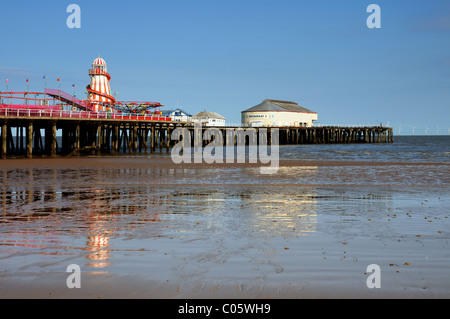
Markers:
point(52, 136)
point(336, 135)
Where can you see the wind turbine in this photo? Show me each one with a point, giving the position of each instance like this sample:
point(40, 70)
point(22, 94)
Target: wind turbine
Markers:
point(414, 127)
point(438, 130)
point(426, 130)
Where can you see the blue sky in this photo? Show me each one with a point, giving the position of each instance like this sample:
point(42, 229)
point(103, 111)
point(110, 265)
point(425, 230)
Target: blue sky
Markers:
point(227, 56)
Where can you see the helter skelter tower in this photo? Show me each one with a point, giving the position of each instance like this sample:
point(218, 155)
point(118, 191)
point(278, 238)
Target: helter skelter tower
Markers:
point(99, 89)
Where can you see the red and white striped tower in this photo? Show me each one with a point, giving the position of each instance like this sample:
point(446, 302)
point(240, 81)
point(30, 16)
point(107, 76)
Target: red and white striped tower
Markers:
point(99, 89)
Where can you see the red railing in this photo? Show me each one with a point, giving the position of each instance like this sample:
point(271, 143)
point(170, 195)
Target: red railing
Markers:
point(30, 107)
point(79, 114)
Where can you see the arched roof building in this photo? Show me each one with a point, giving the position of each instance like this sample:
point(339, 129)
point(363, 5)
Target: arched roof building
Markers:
point(278, 113)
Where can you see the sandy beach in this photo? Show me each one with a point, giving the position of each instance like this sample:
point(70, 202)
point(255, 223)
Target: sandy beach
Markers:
point(142, 227)
point(208, 152)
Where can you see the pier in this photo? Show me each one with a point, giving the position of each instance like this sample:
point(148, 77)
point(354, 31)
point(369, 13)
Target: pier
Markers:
point(37, 132)
point(54, 123)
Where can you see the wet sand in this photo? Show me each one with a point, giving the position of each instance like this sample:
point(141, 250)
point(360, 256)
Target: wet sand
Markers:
point(148, 228)
point(165, 162)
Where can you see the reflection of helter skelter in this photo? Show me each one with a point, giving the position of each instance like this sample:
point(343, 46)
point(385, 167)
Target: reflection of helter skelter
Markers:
point(98, 246)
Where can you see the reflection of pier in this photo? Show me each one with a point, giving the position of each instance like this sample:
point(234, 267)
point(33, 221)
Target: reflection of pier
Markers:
point(256, 210)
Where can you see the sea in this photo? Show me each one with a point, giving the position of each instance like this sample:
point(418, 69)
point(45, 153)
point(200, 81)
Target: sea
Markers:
point(140, 226)
point(416, 149)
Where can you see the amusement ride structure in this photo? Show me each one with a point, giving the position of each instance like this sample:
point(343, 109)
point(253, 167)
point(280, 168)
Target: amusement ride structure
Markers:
point(99, 89)
point(99, 100)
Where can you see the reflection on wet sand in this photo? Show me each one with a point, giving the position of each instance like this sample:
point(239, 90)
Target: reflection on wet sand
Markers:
point(99, 252)
point(195, 226)
point(109, 213)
